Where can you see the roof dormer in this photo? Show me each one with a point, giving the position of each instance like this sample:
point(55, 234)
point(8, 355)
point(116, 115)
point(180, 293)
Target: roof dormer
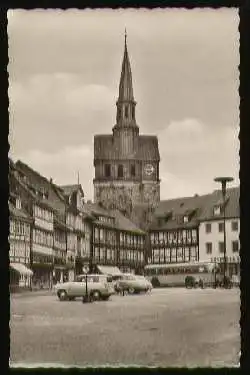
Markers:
point(188, 215)
point(217, 210)
point(219, 206)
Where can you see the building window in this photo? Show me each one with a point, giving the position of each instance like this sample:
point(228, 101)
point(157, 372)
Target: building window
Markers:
point(209, 247)
point(126, 112)
point(234, 226)
point(235, 246)
point(221, 227)
point(221, 247)
point(185, 219)
point(107, 170)
point(208, 228)
point(120, 171)
point(132, 170)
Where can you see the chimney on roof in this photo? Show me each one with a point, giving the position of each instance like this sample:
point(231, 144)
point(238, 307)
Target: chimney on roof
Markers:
point(51, 180)
point(196, 195)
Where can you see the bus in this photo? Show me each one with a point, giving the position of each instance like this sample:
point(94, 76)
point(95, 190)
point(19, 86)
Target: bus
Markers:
point(182, 274)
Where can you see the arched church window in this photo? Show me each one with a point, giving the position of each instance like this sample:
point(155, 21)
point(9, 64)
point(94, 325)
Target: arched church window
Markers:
point(126, 111)
point(120, 171)
point(119, 112)
point(132, 170)
point(133, 113)
point(107, 170)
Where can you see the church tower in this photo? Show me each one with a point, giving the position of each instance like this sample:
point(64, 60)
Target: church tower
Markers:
point(126, 163)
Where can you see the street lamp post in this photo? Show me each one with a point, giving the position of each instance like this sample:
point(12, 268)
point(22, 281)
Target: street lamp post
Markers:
point(223, 181)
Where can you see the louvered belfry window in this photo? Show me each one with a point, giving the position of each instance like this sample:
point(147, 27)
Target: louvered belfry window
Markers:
point(107, 170)
point(120, 171)
point(132, 170)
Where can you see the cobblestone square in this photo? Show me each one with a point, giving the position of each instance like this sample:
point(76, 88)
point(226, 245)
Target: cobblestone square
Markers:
point(169, 327)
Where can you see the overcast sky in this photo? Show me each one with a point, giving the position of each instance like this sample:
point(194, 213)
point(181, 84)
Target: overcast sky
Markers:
point(64, 76)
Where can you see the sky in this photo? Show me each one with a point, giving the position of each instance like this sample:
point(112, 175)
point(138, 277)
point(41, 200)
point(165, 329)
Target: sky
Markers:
point(64, 70)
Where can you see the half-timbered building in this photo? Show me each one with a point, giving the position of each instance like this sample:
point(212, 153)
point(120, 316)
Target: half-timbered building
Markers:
point(35, 203)
point(174, 233)
point(116, 241)
point(19, 242)
point(71, 226)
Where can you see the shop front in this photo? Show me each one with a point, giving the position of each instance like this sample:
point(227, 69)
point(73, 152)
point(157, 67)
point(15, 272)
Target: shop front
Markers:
point(20, 277)
point(42, 268)
point(60, 274)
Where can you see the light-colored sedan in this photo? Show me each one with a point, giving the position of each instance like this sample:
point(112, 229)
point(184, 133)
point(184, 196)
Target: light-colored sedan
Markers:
point(133, 284)
point(97, 287)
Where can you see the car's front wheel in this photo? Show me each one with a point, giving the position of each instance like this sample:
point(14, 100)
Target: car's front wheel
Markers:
point(62, 295)
point(131, 290)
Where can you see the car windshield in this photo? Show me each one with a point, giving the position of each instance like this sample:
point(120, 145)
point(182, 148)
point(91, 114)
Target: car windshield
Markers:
point(80, 279)
point(93, 279)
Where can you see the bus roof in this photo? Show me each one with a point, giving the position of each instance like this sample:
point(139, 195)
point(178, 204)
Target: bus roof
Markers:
point(171, 265)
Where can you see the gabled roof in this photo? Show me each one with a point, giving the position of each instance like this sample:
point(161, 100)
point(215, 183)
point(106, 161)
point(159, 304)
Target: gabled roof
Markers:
point(41, 183)
point(69, 189)
point(36, 199)
point(17, 212)
point(179, 208)
point(96, 209)
point(123, 223)
point(232, 205)
point(105, 149)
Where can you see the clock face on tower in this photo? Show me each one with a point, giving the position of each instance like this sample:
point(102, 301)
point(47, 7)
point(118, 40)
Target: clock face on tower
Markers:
point(148, 169)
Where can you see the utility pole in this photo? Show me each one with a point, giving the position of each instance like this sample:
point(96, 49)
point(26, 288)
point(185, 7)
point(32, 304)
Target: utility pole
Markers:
point(224, 181)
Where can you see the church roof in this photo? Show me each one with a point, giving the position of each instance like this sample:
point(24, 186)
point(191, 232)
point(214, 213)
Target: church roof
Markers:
point(104, 148)
point(126, 87)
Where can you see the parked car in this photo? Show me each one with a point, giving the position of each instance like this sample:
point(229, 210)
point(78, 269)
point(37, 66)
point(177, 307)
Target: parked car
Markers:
point(132, 284)
point(97, 287)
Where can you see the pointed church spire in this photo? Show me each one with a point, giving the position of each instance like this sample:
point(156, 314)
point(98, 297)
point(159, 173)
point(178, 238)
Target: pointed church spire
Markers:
point(125, 116)
point(126, 87)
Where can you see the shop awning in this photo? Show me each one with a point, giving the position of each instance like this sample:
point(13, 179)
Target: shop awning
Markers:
point(21, 268)
point(112, 271)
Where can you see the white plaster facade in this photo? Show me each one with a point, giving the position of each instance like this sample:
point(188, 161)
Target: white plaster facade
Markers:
point(209, 240)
